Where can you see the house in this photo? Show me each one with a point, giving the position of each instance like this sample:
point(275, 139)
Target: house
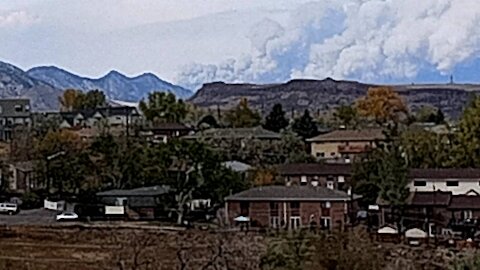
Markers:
point(111, 116)
point(290, 207)
point(257, 133)
point(332, 176)
point(139, 203)
point(162, 132)
point(13, 113)
point(456, 180)
point(344, 144)
point(22, 177)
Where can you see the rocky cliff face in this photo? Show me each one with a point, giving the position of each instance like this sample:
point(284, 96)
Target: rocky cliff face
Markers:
point(15, 83)
point(324, 95)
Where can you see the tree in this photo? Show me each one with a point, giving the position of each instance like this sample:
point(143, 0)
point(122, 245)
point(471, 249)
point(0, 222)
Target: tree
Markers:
point(92, 99)
point(346, 115)
point(304, 126)
point(467, 141)
point(242, 116)
point(382, 104)
point(69, 100)
point(424, 149)
point(163, 107)
point(276, 120)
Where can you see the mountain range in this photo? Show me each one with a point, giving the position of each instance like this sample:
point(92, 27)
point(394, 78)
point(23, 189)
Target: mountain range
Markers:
point(321, 96)
point(43, 85)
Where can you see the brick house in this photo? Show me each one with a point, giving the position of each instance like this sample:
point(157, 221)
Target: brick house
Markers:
point(291, 207)
point(333, 176)
point(344, 144)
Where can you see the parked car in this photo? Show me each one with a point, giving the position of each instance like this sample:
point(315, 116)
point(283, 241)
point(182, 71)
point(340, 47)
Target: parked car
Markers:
point(8, 208)
point(66, 216)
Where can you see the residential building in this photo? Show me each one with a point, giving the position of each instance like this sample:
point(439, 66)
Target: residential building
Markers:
point(13, 113)
point(257, 133)
point(344, 144)
point(22, 177)
point(459, 181)
point(162, 132)
point(290, 207)
point(139, 203)
point(332, 176)
point(110, 116)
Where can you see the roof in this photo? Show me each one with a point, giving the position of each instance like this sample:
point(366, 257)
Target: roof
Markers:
point(441, 174)
point(464, 202)
point(431, 198)
point(314, 169)
point(237, 166)
point(168, 126)
point(290, 193)
point(350, 135)
point(236, 133)
point(137, 192)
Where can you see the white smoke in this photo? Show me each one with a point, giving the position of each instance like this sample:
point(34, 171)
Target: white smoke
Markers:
point(370, 40)
point(15, 18)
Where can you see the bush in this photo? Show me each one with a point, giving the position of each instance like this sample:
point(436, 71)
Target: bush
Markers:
point(31, 200)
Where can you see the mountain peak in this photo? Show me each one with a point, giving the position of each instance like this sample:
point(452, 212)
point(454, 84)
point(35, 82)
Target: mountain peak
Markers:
point(114, 73)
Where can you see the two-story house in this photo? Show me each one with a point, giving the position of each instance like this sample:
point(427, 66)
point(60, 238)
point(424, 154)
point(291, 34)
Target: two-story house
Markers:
point(290, 207)
point(459, 181)
point(91, 118)
point(344, 144)
point(13, 113)
point(332, 176)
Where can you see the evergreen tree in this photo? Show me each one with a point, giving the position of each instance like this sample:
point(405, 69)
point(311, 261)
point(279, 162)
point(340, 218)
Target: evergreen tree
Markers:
point(242, 116)
point(276, 120)
point(440, 117)
point(304, 126)
point(163, 107)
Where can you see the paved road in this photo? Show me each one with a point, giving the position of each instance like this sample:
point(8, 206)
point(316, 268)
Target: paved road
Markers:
point(30, 217)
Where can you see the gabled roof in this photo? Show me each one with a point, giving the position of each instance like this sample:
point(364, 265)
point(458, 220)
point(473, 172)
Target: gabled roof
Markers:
point(235, 133)
point(442, 174)
point(314, 169)
point(461, 202)
point(438, 198)
point(137, 192)
point(350, 135)
point(290, 193)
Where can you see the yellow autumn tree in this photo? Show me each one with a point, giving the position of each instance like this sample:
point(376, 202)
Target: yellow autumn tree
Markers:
point(382, 104)
point(69, 99)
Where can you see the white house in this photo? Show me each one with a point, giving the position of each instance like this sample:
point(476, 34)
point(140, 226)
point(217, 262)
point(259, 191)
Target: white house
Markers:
point(456, 180)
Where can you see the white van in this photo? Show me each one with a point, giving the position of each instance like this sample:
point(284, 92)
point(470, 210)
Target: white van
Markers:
point(8, 208)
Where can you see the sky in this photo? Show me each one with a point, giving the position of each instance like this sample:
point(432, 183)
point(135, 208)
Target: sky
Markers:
point(191, 42)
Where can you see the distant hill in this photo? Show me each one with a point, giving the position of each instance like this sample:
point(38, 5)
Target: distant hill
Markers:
point(115, 85)
point(15, 83)
point(324, 95)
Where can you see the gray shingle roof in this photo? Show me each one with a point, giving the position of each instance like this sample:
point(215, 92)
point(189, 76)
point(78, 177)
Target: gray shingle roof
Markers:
point(442, 174)
point(290, 193)
point(350, 135)
point(235, 133)
point(137, 192)
point(314, 169)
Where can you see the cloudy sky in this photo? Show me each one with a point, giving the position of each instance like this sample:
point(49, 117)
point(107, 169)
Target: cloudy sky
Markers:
point(190, 42)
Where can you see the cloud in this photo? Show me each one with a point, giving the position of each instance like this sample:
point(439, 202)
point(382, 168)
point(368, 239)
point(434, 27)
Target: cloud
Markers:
point(370, 40)
point(17, 18)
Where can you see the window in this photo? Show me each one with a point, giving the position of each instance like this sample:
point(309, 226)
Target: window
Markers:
point(303, 180)
point(295, 209)
point(275, 222)
point(420, 183)
point(330, 184)
point(274, 209)
point(330, 178)
point(467, 214)
point(452, 183)
point(325, 223)
point(325, 209)
point(244, 207)
point(295, 222)
point(332, 154)
point(18, 108)
point(341, 179)
point(315, 183)
point(321, 154)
